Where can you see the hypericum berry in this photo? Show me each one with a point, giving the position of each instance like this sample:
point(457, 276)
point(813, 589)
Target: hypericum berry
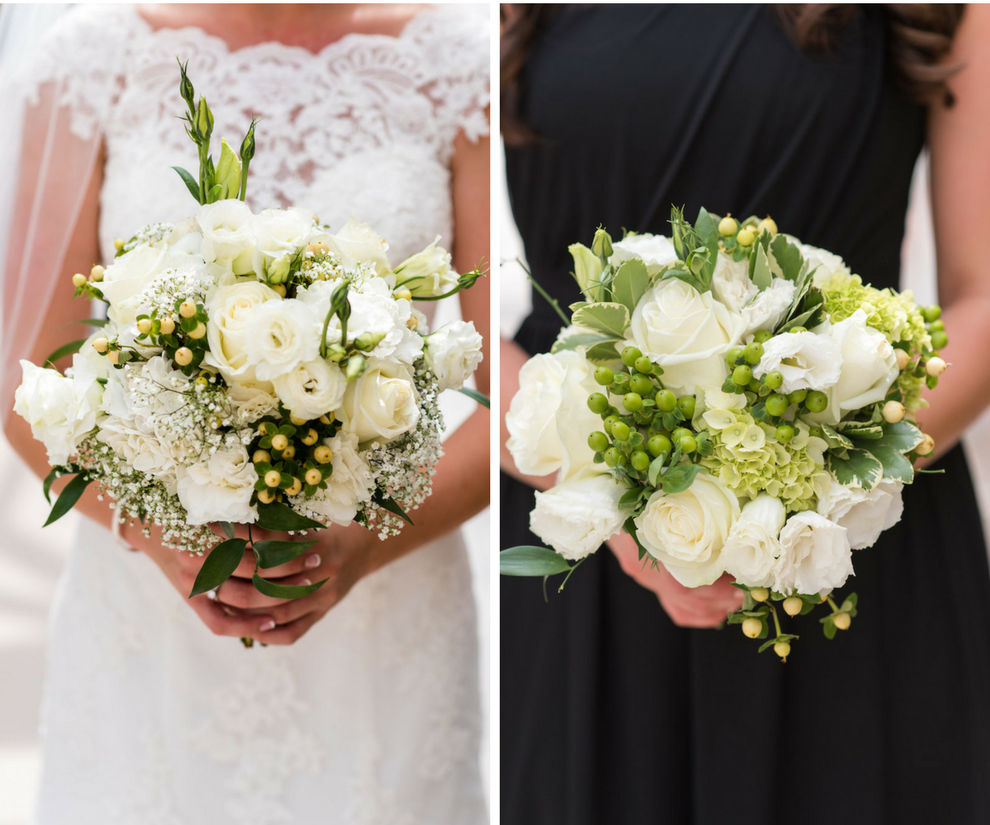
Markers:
point(902, 358)
point(630, 355)
point(279, 442)
point(728, 226)
point(604, 376)
point(101, 345)
point(935, 366)
point(759, 594)
point(936, 326)
point(761, 336)
point(183, 356)
point(816, 401)
point(940, 340)
point(261, 457)
point(597, 403)
point(167, 326)
point(680, 433)
point(734, 355)
point(96, 273)
point(686, 404)
point(927, 445)
point(632, 401)
point(893, 411)
point(746, 236)
point(785, 432)
point(659, 445)
point(296, 421)
point(280, 290)
point(598, 442)
point(609, 422)
point(187, 309)
point(798, 329)
point(753, 353)
point(311, 437)
point(289, 452)
point(313, 476)
point(295, 489)
point(620, 431)
point(144, 326)
point(612, 457)
point(932, 313)
point(752, 627)
point(114, 356)
point(782, 649)
point(777, 404)
point(323, 454)
point(266, 497)
point(403, 294)
point(816, 432)
point(774, 380)
point(688, 444)
point(842, 621)
point(640, 384)
point(644, 365)
point(793, 606)
point(639, 460)
point(199, 332)
point(666, 401)
point(273, 478)
point(797, 396)
point(79, 280)
point(768, 224)
point(742, 375)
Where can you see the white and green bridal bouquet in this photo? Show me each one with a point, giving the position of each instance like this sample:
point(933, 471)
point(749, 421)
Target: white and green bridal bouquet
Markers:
point(735, 400)
point(254, 369)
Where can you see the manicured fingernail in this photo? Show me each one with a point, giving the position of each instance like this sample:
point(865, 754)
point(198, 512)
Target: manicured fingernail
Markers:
point(305, 582)
point(269, 625)
point(313, 561)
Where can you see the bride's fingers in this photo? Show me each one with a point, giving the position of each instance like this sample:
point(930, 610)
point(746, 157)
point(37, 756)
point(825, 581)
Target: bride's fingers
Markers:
point(243, 594)
point(290, 633)
point(301, 564)
point(228, 622)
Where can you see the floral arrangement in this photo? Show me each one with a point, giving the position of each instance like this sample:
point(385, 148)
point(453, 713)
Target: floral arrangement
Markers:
point(254, 369)
point(735, 400)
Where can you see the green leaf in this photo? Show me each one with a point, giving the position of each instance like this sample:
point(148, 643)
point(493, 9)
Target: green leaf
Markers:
point(528, 560)
point(683, 275)
point(274, 553)
point(219, 565)
point(610, 318)
point(191, 183)
point(603, 353)
point(47, 486)
point(860, 469)
point(285, 591)
point(762, 276)
point(68, 497)
point(895, 465)
point(386, 502)
point(227, 528)
point(631, 498)
point(862, 430)
point(835, 439)
point(630, 283)
point(94, 322)
point(678, 479)
point(829, 628)
point(630, 528)
point(477, 396)
point(66, 349)
point(656, 466)
point(903, 436)
point(281, 519)
point(579, 339)
point(787, 256)
point(707, 228)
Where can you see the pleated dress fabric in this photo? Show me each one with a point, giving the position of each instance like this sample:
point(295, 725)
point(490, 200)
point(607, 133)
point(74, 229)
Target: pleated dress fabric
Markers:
point(609, 712)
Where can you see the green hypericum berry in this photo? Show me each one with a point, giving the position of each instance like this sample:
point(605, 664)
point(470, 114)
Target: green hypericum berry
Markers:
point(630, 355)
point(597, 403)
point(612, 457)
point(774, 380)
point(598, 442)
point(727, 226)
point(679, 433)
point(816, 432)
point(777, 404)
point(733, 355)
point(666, 401)
point(785, 432)
point(686, 405)
point(753, 353)
point(816, 401)
point(761, 336)
point(939, 339)
point(797, 396)
point(644, 365)
point(604, 376)
point(932, 313)
point(620, 431)
point(688, 444)
point(659, 445)
point(640, 384)
point(753, 385)
point(936, 326)
point(609, 422)
point(746, 236)
point(742, 375)
point(639, 460)
point(633, 401)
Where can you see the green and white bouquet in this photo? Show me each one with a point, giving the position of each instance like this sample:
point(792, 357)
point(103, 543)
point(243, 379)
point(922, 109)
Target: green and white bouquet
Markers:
point(735, 400)
point(256, 369)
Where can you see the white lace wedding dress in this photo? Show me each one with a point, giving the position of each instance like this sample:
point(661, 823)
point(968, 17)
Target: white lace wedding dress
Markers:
point(373, 716)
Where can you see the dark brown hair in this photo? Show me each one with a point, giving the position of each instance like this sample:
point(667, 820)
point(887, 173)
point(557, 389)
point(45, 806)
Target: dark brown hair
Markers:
point(919, 37)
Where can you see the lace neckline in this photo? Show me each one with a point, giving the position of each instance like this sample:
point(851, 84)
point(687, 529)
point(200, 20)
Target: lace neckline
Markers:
point(300, 52)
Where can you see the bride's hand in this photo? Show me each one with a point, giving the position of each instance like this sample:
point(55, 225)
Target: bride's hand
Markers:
point(687, 607)
point(343, 556)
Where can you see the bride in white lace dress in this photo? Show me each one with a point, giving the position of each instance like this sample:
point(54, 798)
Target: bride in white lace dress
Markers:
point(364, 709)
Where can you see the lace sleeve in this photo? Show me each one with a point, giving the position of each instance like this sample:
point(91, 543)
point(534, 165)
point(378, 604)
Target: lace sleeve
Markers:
point(456, 38)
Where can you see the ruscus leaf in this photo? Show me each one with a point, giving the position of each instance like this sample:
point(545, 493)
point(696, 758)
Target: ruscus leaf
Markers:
point(219, 565)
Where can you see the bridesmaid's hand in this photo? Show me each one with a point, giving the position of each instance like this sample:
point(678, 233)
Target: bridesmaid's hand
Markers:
point(687, 607)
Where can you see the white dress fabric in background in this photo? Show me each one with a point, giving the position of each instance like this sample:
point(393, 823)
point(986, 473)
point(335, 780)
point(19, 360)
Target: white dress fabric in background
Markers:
point(373, 717)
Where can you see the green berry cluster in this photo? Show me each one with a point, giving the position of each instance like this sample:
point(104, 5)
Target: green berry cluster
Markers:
point(290, 457)
point(182, 335)
point(737, 238)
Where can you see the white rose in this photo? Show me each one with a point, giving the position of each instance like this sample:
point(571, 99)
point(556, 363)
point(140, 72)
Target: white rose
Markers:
point(576, 517)
point(228, 239)
point(60, 409)
point(655, 251)
point(312, 389)
point(686, 531)
point(375, 310)
point(279, 336)
point(230, 311)
point(124, 280)
point(549, 421)
point(453, 353)
point(279, 234)
point(869, 366)
point(731, 284)
point(250, 403)
point(806, 361)
point(864, 514)
point(357, 242)
point(814, 555)
point(767, 309)
point(349, 486)
point(382, 404)
point(685, 332)
point(220, 488)
point(751, 550)
point(427, 274)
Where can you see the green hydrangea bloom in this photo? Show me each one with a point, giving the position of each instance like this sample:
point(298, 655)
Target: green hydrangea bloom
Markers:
point(749, 460)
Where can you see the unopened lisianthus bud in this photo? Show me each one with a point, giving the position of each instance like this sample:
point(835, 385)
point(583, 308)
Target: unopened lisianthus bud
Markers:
point(228, 173)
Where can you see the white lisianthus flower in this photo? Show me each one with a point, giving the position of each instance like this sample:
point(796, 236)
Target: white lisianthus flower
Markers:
point(61, 410)
point(864, 514)
point(311, 389)
point(219, 488)
point(250, 403)
point(374, 310)
point(768, 309)
point(731, 284)
point(823, 263)
point(686, 531)
point(453, 353)
point(381, 404)
point(357, 242)
point(549, 420)
point(228, 237)
point(685, 332)
point(279, 336)
point(814, 555)
point(350, 485)
point(751, 550)
point(279, 234)
point(124, 280)
point(656, 251)
point(230, 311)
point(576, 517)
point(806, 361)
point(427, 274)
